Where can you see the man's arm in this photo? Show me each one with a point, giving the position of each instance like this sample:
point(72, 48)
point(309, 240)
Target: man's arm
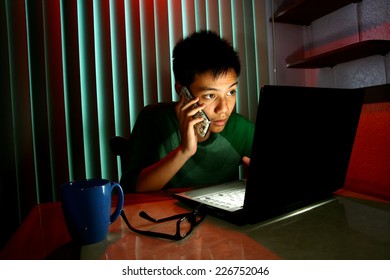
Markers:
point(156, 176)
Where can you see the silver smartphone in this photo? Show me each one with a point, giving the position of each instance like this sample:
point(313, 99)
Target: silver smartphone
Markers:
point(202, 127)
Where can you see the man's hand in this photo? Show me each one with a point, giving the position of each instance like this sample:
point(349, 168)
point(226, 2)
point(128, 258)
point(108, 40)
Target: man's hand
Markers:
point(246, 161)
point(185, 113)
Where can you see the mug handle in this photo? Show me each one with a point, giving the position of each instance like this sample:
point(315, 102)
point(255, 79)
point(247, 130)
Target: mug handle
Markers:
point(119, 206)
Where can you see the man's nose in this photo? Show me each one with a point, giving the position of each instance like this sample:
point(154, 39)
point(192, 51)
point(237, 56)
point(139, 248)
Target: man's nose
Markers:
point(222, 106)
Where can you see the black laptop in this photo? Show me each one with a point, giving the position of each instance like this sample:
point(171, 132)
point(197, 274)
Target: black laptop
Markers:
point(301, 150)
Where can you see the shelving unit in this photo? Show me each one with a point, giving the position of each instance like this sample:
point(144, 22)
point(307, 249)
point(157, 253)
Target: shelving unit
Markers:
point(344, 54)
point(303, 12)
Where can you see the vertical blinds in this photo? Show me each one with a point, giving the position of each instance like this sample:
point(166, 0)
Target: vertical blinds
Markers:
point(77, 72)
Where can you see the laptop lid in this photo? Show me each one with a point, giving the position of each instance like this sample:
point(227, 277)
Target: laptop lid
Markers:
point(301, 150)
point(302, 146)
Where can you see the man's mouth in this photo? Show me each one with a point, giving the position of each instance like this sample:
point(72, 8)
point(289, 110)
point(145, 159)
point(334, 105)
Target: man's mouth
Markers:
point(220, 122)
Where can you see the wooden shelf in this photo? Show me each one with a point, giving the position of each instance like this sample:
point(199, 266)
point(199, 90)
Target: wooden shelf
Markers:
point(344, 54)
point(303, 12)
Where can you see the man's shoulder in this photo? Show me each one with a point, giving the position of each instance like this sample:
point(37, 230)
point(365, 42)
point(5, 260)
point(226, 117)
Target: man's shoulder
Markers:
point(158, 114)
point(158, 110)
point(159, 107)
point(236, 118)
point(238, 124)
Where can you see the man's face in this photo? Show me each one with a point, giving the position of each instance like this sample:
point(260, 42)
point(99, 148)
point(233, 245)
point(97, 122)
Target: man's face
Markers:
point(219, 96)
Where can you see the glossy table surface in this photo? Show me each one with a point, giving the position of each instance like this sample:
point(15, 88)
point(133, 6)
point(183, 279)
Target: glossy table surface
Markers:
point(348, 226)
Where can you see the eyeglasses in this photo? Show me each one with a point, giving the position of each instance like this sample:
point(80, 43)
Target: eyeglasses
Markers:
point(184, 225)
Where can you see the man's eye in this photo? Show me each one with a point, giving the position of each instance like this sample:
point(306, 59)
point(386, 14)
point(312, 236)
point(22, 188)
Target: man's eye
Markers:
point(232, 92)
point(209, 96)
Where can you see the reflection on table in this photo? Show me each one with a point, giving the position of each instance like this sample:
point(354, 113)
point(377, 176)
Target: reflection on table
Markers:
point(345, 227)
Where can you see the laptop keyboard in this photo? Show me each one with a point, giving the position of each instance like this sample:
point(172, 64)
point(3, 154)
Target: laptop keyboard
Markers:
point(227, 199)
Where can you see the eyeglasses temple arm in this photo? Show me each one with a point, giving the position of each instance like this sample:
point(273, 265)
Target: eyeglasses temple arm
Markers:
point(146, 216)
point(149, 233)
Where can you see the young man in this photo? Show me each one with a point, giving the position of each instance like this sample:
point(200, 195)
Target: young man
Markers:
point(166, 151)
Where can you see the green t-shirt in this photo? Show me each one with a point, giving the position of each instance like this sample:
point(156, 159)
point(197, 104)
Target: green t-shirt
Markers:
point(156, 133)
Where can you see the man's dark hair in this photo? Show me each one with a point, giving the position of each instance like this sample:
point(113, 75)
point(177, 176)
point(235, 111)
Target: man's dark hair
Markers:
point(201, 52)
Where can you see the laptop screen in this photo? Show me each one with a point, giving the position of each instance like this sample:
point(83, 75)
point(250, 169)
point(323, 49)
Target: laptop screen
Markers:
point(302, 146)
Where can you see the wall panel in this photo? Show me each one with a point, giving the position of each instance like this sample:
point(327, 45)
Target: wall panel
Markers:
point(77, 72)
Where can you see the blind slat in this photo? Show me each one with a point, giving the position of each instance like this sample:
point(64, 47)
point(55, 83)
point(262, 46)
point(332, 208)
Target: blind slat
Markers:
point(133, 52)
point(104, 86)
point(148, 52)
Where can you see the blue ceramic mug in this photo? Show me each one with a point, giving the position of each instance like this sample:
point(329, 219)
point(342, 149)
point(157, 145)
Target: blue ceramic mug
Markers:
point(86, 205)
